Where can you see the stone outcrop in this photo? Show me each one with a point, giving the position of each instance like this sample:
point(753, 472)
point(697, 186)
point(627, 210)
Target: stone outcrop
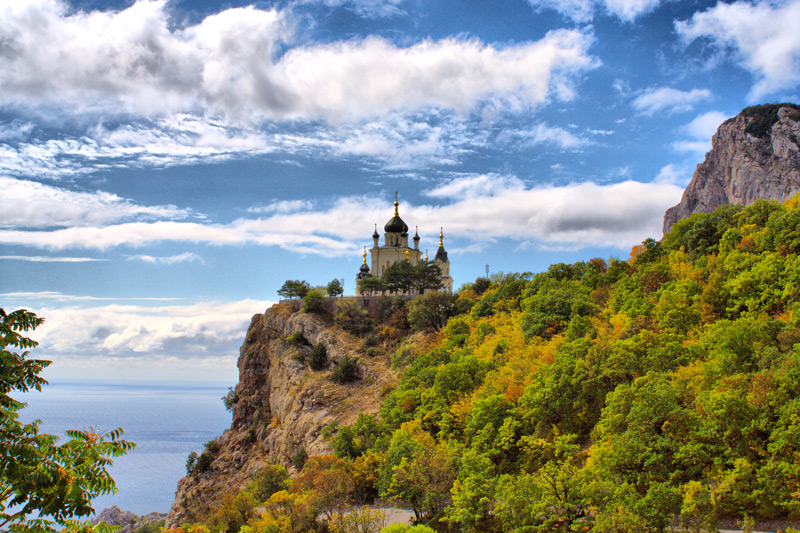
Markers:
point(126, 520)
point(282, 405)
point(753, 155)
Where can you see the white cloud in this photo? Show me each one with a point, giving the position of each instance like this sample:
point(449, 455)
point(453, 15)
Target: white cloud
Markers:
point(48, 259)
point(558, 136)
point(700, 130)
point(282, 206)
point(368, 8)
point(191, 331)
point(477, 186)
point(705, 126)
point(673, 175)
point(761, 37)
point(480, 208)
point(60, 297)
point(30, 204)
point(670, 100)
point(583, 10)
point(136, 60)
point(186, 257)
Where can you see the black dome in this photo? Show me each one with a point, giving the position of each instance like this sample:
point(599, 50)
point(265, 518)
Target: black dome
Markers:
point(396, 225)
point(364, 267)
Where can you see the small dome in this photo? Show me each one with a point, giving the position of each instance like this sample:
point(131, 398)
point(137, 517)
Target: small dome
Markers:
point(364, 268)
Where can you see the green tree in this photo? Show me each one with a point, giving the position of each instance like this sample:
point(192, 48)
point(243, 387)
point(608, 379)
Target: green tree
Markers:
point(431, 310)
point(37, 475)
point(293, 288)
point(334, 288)
point(400, 277)
point(371, 285)
point(428, 276)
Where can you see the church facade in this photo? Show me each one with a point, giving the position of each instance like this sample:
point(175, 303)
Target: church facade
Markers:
point(396, 248)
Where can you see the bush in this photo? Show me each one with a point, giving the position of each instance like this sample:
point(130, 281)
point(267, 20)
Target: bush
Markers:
point(191, 463)
point(318, 358)
point(203, 462)
point(350, 316)
point(314, 302)
point(296, 339)
point(267, 481)
point(230, 399)
point(481, 285)
point(431, 311)
point(346, 370)
point(300, 458)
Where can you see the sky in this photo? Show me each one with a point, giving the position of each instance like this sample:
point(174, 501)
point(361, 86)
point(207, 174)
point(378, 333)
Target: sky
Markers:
point(167, 165)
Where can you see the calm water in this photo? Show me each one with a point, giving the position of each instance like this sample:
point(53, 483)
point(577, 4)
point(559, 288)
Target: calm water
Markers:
point(166, 420)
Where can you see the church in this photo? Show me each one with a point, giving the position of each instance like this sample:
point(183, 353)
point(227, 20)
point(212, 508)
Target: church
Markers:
point(395, 248)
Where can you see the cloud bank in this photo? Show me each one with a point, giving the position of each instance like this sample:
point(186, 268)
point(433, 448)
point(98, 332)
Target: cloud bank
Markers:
point(477, 209)
point(233, 64)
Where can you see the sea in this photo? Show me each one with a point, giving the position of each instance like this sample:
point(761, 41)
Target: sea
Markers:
point(166, 420)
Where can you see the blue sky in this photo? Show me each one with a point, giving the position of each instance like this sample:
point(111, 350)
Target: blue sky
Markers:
point(166, 166)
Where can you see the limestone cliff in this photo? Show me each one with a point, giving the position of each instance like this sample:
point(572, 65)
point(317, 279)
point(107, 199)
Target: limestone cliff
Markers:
point(282, 405)
point(753, 155)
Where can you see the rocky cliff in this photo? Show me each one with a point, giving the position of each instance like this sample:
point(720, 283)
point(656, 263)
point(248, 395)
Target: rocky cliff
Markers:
point(753, 155)
point(281, 405)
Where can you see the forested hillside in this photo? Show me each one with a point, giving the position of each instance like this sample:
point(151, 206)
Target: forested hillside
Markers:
point(606, 395)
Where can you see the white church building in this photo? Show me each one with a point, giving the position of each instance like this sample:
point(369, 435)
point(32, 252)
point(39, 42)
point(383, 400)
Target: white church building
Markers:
point(395, 248)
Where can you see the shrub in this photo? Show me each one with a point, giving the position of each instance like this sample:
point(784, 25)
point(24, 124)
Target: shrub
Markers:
point(346, 370)
point(230, 399)
point(191, 463)
point(203, 462)
point(300, 458)
point(314, 301)
point(318, 358)
point(296, 339)
point(351, 317)
point(481, 285)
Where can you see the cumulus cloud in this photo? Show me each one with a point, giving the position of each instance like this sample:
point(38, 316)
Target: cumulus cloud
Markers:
point(657, 99)
point(700, 131)
point(30, 204)
point(760, 36)
point(476, 208)
point(204, 329)
point(136, 60)
point(583, 10)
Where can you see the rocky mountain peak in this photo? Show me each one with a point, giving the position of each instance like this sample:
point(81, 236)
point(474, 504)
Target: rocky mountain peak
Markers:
point(754, 155)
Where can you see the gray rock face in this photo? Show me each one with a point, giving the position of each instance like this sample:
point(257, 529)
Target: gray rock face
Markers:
point(282, 405)
point(742, 167)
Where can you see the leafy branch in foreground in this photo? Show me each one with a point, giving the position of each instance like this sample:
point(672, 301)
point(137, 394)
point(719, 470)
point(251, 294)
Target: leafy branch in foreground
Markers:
point(38, 476)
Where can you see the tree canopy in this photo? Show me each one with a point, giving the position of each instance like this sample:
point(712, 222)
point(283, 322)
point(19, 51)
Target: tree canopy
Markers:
point(38, 476)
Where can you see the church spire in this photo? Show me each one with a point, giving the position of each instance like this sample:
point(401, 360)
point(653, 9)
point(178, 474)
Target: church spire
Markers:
point(396, 205)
